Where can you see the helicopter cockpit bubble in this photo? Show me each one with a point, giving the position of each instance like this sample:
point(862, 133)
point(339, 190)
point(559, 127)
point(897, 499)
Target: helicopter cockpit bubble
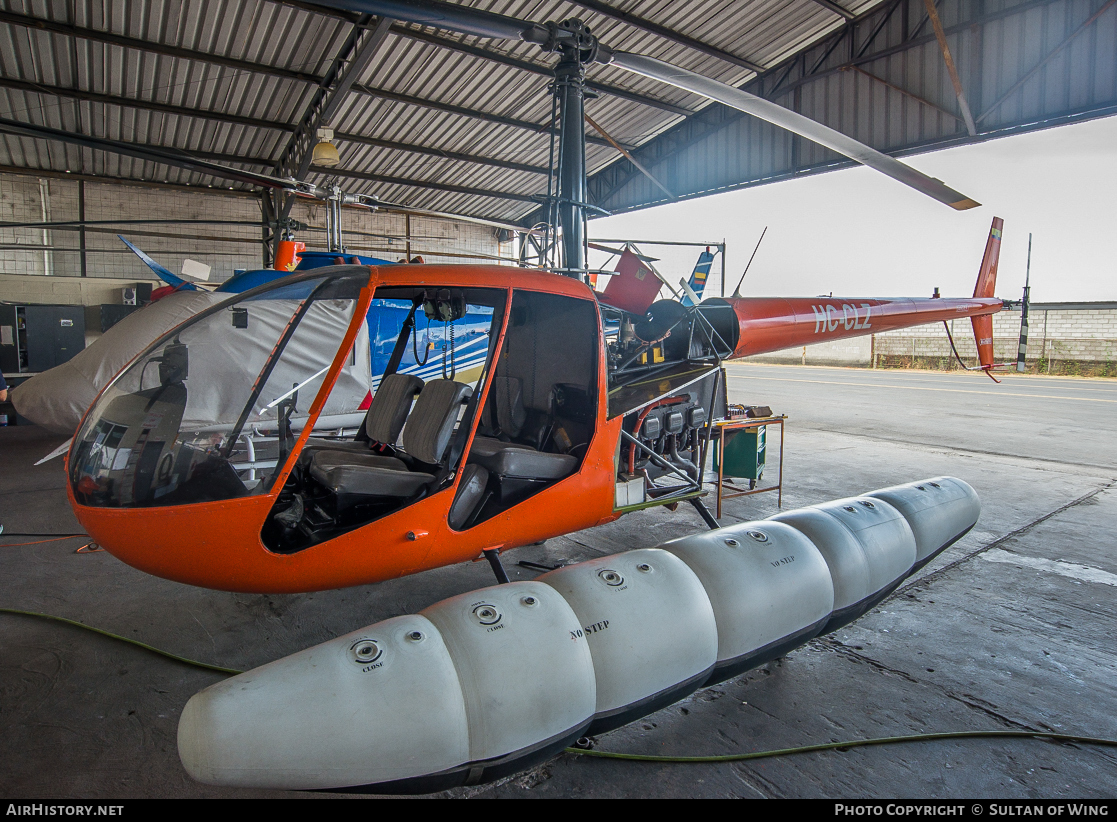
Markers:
point(209, 430)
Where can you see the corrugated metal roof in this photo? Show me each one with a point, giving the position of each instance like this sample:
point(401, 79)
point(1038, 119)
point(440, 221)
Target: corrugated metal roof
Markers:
point(104, 65)
point(1025, 64)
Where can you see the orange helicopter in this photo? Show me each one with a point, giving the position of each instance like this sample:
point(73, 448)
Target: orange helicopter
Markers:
point(576, 399)
point(587, 405)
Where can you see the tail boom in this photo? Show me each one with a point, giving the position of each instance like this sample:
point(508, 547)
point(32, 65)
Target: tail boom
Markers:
point(773, 324)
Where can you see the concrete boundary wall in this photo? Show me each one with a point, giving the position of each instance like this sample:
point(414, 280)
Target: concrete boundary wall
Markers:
point(1057, 333)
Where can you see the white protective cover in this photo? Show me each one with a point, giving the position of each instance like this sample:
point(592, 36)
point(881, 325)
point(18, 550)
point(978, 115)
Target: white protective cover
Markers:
point(57, 399)
point(225, 361)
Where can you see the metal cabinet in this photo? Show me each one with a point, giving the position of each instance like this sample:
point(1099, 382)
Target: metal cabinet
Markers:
point(35, 338)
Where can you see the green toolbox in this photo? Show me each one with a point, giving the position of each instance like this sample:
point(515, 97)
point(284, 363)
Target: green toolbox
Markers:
point(744, 453)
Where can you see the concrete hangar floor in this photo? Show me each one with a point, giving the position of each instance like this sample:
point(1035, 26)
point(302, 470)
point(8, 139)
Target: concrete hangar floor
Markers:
point(1012, 628)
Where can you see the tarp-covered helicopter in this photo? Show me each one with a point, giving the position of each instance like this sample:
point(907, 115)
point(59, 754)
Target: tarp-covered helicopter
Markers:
point(588, 406)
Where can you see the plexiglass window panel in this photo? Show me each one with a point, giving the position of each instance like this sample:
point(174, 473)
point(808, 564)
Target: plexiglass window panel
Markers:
point(198, 417)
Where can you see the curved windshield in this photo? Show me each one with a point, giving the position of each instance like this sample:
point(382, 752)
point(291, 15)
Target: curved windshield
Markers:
point(211, 411)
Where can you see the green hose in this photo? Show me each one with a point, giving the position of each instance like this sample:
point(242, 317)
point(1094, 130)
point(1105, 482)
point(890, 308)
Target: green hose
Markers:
point(135, 642)
point(857, 743)
point(829, 746)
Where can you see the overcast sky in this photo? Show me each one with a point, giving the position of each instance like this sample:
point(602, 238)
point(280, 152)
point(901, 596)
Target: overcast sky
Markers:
point(858, 233)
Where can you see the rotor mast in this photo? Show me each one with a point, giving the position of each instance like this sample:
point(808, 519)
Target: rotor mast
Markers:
point(570, 92)
point(576, 46)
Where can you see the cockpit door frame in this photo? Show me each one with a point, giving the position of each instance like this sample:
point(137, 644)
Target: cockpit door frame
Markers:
point(364, 300)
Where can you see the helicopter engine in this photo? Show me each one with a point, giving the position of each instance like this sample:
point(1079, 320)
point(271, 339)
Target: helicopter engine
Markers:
point(671, 428)
point(662, 368)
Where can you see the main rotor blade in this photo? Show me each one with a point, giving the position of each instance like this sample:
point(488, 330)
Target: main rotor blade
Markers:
point(793, 122)
point(446, 16)
point(177, 159)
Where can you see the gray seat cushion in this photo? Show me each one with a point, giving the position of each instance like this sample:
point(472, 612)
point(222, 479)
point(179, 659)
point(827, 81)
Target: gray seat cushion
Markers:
point(431, 423)
point(366, 474)
point(425, 438)
point(372, 481)
point(315, 444)
point(383, 421)
point(516, 461)
point(329, 459)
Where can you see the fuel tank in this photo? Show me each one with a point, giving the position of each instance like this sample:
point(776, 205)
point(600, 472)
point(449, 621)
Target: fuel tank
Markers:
point(485, 684)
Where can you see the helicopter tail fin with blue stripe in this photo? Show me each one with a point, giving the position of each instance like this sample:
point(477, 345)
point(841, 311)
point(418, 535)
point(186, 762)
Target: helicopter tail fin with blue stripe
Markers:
point(699, 276)
point(163, 273)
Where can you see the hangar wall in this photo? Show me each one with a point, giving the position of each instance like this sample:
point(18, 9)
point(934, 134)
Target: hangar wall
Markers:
point(32, 198)
point(34, 252)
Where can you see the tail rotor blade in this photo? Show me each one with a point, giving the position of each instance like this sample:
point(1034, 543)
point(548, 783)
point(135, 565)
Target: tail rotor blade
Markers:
point(161, 271)
point(792, 121)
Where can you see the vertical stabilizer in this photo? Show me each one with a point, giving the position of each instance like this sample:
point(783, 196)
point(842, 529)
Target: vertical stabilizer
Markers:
point(699, 276)
point(161, 272)
point(986, 285)
point(987, 275)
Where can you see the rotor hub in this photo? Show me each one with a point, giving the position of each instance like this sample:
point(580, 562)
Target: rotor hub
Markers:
point(573, 39)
